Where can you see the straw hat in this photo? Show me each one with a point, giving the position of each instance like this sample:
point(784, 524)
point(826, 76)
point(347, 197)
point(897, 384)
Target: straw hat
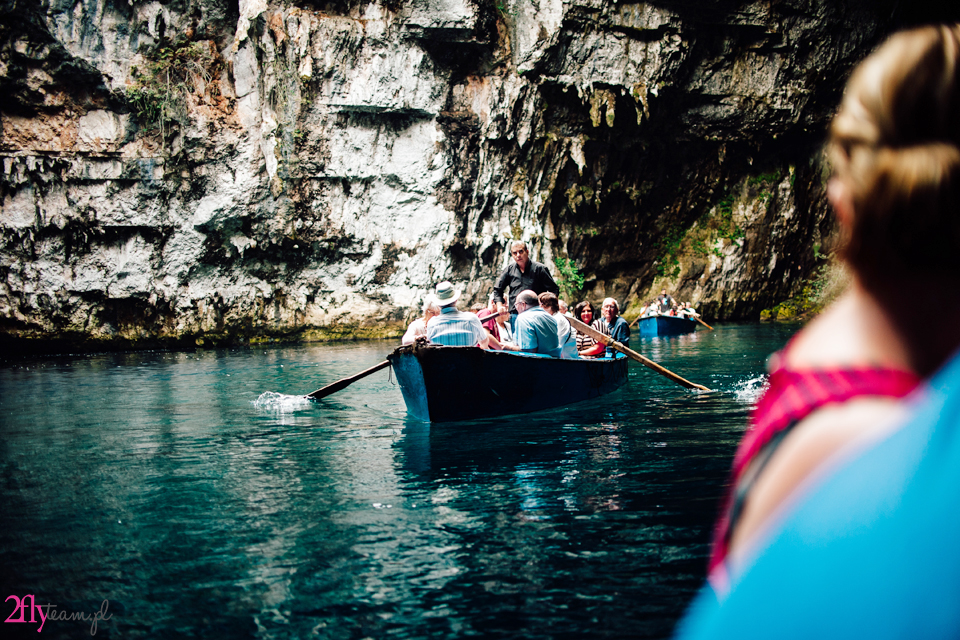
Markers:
point(446, 293)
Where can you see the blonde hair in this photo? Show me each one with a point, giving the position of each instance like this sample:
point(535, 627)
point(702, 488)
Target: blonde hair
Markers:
point(895, 142)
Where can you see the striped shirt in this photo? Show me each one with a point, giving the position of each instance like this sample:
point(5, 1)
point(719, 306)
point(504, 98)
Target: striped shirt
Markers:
point(584, 341)
point(454, 328)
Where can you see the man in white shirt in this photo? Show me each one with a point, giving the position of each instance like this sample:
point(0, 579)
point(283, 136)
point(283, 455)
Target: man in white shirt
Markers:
point(568, 339)
point(454, 328)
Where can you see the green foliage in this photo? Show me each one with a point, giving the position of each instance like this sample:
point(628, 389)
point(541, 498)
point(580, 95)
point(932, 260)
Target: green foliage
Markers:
point(764, 178)
point(159, 93)
point(668, 262)
point(811, 299)
point(569, 279)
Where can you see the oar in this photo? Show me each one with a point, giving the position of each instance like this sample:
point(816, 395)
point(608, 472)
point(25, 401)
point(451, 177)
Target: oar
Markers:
point(647, 362)
point(346, 382)
point(703, 323)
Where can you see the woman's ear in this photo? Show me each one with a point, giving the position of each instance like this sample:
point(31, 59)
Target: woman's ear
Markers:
point(841, 198)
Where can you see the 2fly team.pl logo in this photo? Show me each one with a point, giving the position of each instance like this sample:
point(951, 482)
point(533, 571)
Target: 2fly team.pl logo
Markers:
point(49, 612)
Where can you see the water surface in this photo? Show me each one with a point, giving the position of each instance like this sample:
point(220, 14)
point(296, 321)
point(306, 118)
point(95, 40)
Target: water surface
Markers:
point(199, 496)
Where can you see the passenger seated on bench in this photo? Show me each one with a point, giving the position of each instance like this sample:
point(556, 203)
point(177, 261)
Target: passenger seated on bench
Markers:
point(454, 328)
point(490, 319)
point(568, 338)
point(611, 323)
point(587, 347)
point(536, 329)
point(687, 311)
point(418, 327)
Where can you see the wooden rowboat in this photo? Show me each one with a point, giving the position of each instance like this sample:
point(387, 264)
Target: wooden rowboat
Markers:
point(665, 326)
point(464, 383)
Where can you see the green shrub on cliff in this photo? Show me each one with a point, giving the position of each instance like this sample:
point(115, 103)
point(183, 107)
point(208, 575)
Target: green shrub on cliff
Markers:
point(158, 95)
point(569, 279)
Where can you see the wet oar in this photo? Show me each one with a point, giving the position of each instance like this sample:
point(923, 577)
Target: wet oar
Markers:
point(630, 353)
point(703, 323)
point(346, 382)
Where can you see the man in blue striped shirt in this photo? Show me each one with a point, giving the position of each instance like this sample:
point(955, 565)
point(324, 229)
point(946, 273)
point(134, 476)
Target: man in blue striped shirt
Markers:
point(454, 328)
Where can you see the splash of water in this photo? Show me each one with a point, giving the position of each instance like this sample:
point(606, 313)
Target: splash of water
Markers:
point(280, 402)
point(749, 391)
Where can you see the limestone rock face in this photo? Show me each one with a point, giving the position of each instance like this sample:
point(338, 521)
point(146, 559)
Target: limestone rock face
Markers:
point(210, 171)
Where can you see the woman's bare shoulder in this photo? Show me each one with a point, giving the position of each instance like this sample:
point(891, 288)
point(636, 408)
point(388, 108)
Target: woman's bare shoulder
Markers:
point(813, 447)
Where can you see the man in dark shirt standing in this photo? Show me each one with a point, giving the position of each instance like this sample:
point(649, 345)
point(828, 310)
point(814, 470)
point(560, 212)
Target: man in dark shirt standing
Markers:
point(666, 302)
point(522, 275)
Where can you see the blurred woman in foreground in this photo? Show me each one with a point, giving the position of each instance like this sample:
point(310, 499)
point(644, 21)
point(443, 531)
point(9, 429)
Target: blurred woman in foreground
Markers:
point(895, 150)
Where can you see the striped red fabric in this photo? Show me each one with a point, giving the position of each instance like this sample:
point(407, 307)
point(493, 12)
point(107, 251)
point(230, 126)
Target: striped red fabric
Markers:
point(793, 395)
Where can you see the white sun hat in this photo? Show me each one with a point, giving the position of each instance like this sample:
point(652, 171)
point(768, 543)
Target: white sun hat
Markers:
point(446, 293)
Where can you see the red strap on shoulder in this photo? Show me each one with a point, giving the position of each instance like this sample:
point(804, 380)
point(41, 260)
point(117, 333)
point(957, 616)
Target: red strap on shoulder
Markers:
point(793, 395)
point(790, 397)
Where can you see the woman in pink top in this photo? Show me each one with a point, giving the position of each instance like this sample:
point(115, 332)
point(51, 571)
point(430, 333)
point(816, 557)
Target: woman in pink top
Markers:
point(895, 150)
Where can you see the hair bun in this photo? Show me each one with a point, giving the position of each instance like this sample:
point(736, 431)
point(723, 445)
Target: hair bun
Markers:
point(896, 143)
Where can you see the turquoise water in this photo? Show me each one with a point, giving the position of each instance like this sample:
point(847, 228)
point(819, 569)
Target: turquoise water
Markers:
point(200, 497)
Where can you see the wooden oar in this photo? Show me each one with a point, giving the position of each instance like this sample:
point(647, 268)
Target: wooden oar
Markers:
point(346, 382)
point(703, 323)
point(630, 353)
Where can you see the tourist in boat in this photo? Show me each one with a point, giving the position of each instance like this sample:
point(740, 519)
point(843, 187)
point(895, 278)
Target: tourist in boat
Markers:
point(610, 323)
point(536, 329)
point(454, 328)
point(418, 328)
point(564, 309)
point(894, 146)
point(490, 318)
point(665, 301)
point(522, 275)
point(565, 333)
point(587, 347)
point(504, 328)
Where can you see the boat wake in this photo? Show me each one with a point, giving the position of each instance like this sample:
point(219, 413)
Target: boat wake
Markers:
point(280, 402)
point(749, 391)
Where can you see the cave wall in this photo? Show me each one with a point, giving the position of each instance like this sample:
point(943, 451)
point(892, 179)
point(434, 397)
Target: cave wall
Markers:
point(214, 171)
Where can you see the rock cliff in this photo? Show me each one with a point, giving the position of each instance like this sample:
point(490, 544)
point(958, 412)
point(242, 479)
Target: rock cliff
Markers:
point(212, 171)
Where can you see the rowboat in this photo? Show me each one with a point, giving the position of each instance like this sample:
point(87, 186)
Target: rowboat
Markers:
point(651, 326)
point(464, 383)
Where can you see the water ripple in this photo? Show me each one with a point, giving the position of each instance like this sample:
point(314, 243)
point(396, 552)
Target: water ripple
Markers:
point(281, 402)
point(749, 391)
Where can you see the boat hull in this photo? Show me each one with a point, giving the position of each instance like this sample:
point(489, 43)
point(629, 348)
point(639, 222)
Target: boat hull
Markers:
point(665, 326)
point(465, 383)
